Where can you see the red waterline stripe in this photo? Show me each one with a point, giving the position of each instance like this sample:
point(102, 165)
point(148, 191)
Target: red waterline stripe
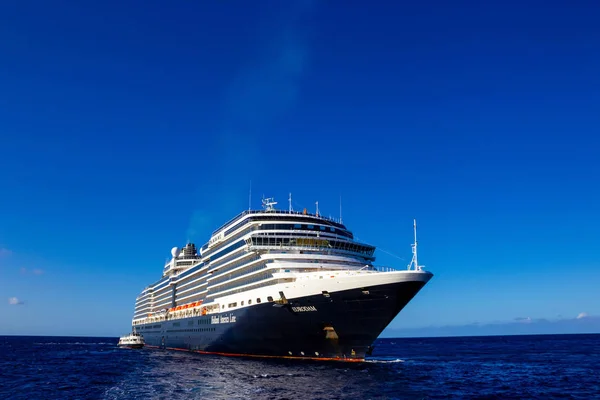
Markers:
point(264, 356)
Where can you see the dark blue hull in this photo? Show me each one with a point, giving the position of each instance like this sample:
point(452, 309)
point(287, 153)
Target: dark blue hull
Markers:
point(341, 325)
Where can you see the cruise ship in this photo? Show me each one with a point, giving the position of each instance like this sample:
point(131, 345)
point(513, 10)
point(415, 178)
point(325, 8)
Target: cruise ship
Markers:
point(276, 283)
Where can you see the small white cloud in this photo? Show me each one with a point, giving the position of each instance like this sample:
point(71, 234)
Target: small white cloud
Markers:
point(523, 320)
point(35, 271)
point(14, 301)
point(582, 315)
point(4, 252)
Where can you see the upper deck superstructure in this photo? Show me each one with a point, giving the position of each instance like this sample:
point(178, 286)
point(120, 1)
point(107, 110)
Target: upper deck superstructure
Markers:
point(256, 248)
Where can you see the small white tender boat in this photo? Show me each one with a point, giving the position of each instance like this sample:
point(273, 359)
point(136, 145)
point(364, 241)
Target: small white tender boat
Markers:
point(133, 341)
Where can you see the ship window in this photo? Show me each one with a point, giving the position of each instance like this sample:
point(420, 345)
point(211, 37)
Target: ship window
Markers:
point(322, 228)
point(297, 226)
point(242, 303)
point(270, 298)
point(258, 300)
point(310, 226)
point(249, 302)
point(332, 229)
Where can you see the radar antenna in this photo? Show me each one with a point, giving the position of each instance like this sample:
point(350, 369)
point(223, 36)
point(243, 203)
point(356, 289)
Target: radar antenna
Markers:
point(268, 204)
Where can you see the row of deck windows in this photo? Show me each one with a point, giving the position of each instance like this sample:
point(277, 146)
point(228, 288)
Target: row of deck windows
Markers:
point(254, 278)
point(225, 260)
point(310, 227)
point(190, 293)
point(218, 274)
point(304, 220)
point(330, 226)
point(258, 300)
point(229, 249)
point(190, 271)
point(236, 264)
point(244, 271)
point(192, 330)
point(261, 284)
point(199, 282)
point(163, 295)
point(142, 304)
point(232, 238)
point(151, 326)
point(313, 243)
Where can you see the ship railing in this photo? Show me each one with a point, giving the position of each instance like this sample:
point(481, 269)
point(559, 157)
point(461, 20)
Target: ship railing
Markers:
point(319, 269)
point(386, 269)
point(323, 250)
point(249, 212)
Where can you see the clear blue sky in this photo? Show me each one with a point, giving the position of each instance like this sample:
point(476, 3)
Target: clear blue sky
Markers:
point(127, 128)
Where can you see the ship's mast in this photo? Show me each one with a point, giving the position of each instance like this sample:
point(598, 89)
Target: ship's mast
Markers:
point(250, 197)
point(414, 262)
point(290, 202)
point(415, 251)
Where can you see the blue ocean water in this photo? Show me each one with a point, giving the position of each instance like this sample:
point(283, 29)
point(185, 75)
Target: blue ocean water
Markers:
point(500, 367)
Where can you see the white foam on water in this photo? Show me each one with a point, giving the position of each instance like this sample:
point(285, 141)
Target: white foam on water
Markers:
point(385, 361)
